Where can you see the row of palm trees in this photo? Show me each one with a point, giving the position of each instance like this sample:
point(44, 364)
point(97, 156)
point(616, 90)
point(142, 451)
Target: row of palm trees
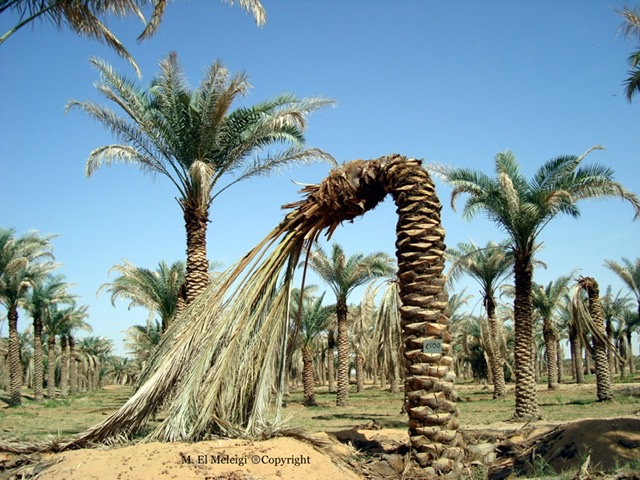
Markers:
point(28, 285)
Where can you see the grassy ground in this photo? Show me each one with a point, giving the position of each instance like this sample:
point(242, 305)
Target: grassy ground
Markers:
point(65, 417)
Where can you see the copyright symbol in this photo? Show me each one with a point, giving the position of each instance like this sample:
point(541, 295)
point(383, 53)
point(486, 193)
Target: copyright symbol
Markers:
point(255, 459)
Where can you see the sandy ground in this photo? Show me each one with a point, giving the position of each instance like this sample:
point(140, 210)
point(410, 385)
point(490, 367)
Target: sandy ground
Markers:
point(348, 455)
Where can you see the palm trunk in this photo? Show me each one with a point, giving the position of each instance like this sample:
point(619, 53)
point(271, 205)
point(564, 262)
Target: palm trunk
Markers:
point(342, 396)
point(497, 363)
point(600, 351)
point(51, 367)
point(38, 364)
point(550, 340)
point(197, 277)
point(307, 377)
point(632, 366)
point(429, 384)
point(331, 374)
point(560, 361)
point(64, 366)
point(15, 364)
point(73, 366)
point(526, 394)
point(359, 372)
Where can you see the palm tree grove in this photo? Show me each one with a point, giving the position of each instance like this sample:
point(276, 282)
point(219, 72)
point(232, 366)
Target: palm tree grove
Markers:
point(284, 297)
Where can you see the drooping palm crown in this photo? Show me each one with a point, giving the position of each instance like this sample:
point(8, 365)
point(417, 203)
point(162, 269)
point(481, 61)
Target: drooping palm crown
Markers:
point(523, 208)
point(194, 139)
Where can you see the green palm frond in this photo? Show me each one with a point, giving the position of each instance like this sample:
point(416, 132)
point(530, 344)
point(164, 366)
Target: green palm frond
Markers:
point(629, 272)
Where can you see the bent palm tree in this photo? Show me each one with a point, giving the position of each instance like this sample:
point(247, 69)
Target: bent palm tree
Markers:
point(593, 319)
point(489, 266)
point(216, 351)
point(84, 17)
point(523, 208)
point(343, 274)
point(192, 138)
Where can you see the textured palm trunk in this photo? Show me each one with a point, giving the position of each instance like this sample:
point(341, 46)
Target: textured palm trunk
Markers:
point(307, 377)
point(51, 367)
point(64, 366)
point(526, 394)
point(331, 369)
point(560, 361)
point(497, 364)
point(632, 366)
point(38, 365)
point(551, 340)
point(359, 372)
point(429, 385)
point(600, 352)
point(15, 364)
point(342, 396)
point(576, 358)
point(73, 366)
point(197, 277)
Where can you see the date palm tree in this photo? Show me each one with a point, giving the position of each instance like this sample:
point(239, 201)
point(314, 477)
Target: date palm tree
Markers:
point(593, 319)
point(631, 28)
point(219, 372)
point(86, 18)
point(343, 275)
point(488, 266)
point(523, 208)
point(21, 265)
point(156, 290)
point(48, 291)
point(193, 138)
point(314, 317)
point(629, 272)
point(546, 302)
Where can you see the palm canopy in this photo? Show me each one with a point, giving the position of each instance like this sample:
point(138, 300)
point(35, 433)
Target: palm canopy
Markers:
point(547, 299)
point(487, 265)
point(191, 136)
point(524, 207)
point(631, 28)
point(629, 272)
point(156, 290)
point(344, 274)
point(86, 17)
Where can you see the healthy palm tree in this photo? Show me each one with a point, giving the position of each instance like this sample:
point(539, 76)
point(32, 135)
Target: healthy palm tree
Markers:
point(594, 320)
point(222, 376)
point(99, 349)
point(192, 138)
point(343, 275)
point(141, 340)
point(631, 28)
point(488, 266)
point(523, 208)
point(48, 291)
point(629, 272)
point(546, 302)
point(20, 266)
point(156, 290)
point(86, 18)
point(314, 317)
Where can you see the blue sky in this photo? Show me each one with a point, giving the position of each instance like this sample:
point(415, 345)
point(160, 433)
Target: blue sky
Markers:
point(449, 82)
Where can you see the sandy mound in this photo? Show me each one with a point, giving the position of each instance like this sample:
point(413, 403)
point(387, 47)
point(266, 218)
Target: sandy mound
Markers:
point(225, 459)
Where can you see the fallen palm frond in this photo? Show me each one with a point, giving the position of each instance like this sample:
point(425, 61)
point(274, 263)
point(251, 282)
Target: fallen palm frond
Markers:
point(226, 351)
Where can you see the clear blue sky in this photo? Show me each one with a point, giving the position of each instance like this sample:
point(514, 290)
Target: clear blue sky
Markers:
point(450, 82)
